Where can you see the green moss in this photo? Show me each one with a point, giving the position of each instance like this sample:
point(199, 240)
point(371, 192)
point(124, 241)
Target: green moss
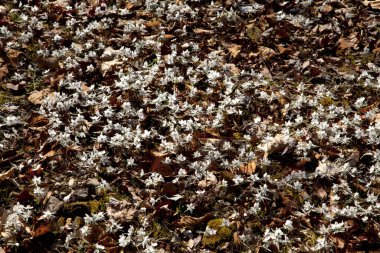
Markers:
point(223, 233)
point(326, 101)
point(90, 206)
point(310, 240)
point(7, 98)
point(351, 58)
point(293, 194)
point(3, 99)
point(15, 17)
point(34, 86)
point(61, 222)
point(159, 231)
point(237, 136)
point(367, 58)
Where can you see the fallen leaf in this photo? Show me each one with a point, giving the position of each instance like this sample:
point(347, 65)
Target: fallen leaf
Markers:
point(188, 221)
point(199, 31)
point(234, 50)
point(339, 242)
point(253, 32)
point(108, 53)
point(157, 153)
point(375, 4)
point(7, 174)
point(349, 42)
point(37, 120)
point(153, 23)
point(162, 168)
point(93, 3)
point(84, 88)
point(3, 71)
point(12, 55)
point(168, 36)
point(275, 144)
point(212, 132)
point(233, 69)
point(190, 243)
point(209, 180)
point(3, 10)
point(237, 240)
point(326, 8)
point(281, 49)
point(266, 52)
point(305, 64)
point(41, 230)
point(49, 154)
point(106, 66)
point(123, 215)
point(321, 193)
point(61, 3)
point(249, 168)
point(12, 86)
point(37, 96)
point(130, 5)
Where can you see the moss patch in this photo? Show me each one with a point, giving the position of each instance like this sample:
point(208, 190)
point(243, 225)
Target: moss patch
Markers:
point(82, 207)
point(223, 233)
point(326, 101)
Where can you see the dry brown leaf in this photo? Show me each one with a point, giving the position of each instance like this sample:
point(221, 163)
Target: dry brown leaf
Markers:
point(209, 180)
point(234, 70)
point(3, 71)
point(41, 230)
point(160, 167)
point(237, 240)
point(339, 242)
point(212, 132)
point(281, 99)
point(60, 3)
point(7, 174)
point(109, 53)
point(199, 31)
point(168, 36)
point(375, 4)
point(266, 52)
point(49, 154)
point(188, 221)
point(253, 32)
point(250, 168)
point(84, 87)
point(130, 5)
point(276, 144)
point(37, 96)
point(349, 42)
point(281, 49)
point(157, 153)
point(12, 86)
point(93, 3)
point(3, 10)
point(326, 8)
point(234, 50)
point(13, 54)
point(37, 120)
point(106, 66)
point(321, 193)
point(153, 23)
point(123, 215)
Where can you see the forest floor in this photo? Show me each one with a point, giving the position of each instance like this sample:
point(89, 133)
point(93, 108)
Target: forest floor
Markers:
point(189, 126)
